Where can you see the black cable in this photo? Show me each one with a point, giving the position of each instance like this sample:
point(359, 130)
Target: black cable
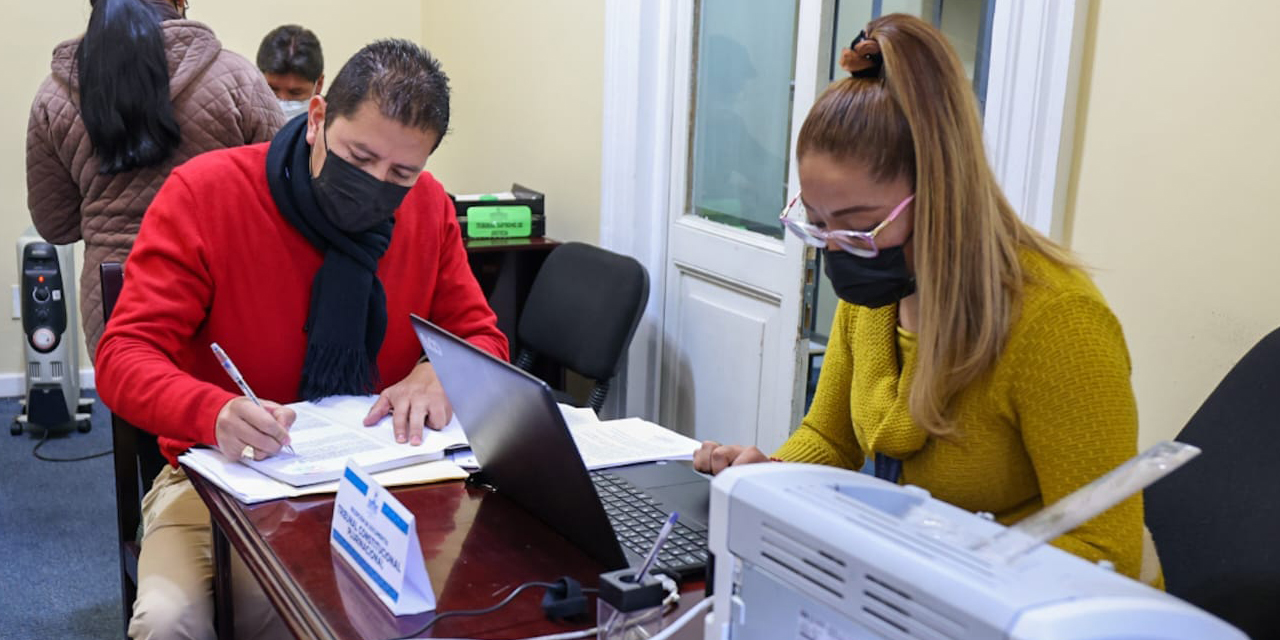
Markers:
point(36, 452)
point(479, 612)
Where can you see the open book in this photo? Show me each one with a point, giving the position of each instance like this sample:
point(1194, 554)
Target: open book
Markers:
point(329, 432)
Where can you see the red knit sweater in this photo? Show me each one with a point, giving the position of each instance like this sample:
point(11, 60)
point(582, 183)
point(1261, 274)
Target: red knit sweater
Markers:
point(216, 262)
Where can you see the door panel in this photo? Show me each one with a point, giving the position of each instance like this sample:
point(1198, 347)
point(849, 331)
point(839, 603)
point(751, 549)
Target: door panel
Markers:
point(722, 330)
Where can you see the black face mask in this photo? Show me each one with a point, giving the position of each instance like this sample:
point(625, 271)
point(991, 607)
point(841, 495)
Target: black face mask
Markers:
point(870, 282)
point(351, 199)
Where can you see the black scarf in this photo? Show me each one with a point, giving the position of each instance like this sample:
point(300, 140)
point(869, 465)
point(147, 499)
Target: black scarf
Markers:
point(348, 315)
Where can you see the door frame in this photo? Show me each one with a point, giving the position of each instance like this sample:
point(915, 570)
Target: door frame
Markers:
point(1033, 81)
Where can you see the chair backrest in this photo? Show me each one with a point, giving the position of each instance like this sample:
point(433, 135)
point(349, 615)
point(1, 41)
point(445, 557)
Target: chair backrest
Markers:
point(1216, 521)
point(135, 452)
point(582, 312)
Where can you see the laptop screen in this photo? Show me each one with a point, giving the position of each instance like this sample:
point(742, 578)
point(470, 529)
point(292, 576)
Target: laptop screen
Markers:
point(519, 437)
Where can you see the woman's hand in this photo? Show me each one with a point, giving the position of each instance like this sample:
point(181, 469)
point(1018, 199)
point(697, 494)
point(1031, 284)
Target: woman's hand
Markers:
point(714, 457)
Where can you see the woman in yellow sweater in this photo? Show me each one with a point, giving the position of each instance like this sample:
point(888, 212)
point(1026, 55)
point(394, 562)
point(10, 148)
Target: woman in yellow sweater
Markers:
point(969, 355)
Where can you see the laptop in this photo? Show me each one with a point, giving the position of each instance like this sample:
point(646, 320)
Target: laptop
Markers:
point(526, 453)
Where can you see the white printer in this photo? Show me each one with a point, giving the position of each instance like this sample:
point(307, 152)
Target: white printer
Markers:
point(818, 553)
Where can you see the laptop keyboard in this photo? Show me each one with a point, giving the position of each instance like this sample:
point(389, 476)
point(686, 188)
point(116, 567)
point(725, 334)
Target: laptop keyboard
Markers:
point(636, 519)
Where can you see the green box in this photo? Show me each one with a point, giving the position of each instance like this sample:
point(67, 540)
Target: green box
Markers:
point(517, 214)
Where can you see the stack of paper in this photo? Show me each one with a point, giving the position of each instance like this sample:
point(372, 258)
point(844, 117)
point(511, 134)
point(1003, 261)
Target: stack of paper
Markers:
point(249, 486)
point(615, 443)
point(572, 416)
point(324, 437)
point(611, 443)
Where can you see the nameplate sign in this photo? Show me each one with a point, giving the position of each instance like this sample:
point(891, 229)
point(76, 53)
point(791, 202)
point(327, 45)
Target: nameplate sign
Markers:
point(376, 536)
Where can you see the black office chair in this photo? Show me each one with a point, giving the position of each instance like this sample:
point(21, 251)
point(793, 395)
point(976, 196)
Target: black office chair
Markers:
point(581, 314)
point(137, 459)
point(1216, 521)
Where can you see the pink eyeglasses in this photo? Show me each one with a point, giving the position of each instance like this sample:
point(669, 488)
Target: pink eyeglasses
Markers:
point(859, 243)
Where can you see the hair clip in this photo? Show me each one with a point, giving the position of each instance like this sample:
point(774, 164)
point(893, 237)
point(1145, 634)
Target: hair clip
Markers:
point(862, 59)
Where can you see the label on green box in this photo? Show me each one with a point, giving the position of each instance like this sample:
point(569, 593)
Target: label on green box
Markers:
point(499, 222)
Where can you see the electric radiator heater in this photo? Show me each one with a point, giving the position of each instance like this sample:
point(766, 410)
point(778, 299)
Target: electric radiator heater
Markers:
point(51, 337)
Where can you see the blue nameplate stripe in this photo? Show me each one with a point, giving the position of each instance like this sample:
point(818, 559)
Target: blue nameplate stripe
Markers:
point(355, 481)
point(364, 565)
point(395, 518)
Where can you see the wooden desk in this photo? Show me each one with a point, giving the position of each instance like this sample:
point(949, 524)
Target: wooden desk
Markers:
point(477, 547)
point(505, 269)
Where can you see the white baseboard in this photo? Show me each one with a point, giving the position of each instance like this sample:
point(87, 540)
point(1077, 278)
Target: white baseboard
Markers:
point(14, 385)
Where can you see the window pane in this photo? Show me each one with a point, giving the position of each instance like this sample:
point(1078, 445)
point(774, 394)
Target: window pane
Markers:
point(966, 23)
point(742, 112)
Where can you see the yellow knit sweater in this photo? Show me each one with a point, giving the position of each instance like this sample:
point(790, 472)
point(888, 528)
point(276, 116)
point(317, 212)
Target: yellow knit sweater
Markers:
point(1054, 413)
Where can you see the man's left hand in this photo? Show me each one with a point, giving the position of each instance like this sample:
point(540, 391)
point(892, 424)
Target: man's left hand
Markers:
point(417, 400)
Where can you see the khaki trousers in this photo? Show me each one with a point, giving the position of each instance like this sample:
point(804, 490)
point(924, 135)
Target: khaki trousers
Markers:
point(175, 572)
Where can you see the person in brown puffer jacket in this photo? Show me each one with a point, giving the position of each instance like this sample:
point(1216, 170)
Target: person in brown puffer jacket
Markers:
point(143, 91)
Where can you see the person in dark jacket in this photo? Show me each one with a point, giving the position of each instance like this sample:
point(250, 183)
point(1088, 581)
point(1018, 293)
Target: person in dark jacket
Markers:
point(141, 92)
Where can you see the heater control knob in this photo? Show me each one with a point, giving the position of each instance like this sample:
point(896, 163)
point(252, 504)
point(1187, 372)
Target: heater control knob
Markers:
point(43, 339)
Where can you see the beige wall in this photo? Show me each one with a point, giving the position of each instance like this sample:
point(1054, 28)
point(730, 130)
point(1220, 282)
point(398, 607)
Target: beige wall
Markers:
point(1172, 193)
point(528, 94)
point(1175, 199)
point(343, 27)
point(31, 30)
point(527, 78)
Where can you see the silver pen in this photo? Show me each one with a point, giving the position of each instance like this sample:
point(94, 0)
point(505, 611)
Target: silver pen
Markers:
point(232, 371)
point(657, 546)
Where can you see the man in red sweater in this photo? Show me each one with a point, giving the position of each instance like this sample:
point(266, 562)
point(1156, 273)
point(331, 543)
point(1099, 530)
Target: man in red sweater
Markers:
point(303, 259)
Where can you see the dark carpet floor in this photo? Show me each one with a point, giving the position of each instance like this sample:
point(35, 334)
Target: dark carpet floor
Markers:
point(59, 570)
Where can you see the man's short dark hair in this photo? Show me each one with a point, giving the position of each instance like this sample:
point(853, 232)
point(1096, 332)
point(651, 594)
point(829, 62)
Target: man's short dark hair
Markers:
point(291, 49)
point(401, 78)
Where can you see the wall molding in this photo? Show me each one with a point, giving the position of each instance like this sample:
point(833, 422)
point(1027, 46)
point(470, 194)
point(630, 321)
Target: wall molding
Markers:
point(1032, 86)
point(635, 174)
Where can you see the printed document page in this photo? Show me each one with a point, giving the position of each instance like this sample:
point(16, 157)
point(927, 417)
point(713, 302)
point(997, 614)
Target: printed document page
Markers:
point(328, 432)
point(614, 443)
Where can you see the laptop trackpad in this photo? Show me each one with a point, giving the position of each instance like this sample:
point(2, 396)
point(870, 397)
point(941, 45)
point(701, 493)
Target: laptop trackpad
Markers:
point(692, 500)
point(676, 487)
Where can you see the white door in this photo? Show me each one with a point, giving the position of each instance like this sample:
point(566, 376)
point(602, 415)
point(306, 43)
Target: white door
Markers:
point(732, 362)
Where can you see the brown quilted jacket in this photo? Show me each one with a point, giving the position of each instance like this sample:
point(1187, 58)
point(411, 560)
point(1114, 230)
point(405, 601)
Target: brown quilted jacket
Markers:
point(220, 100)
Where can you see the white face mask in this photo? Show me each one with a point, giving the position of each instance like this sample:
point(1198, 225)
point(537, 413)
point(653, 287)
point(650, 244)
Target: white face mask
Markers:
point(293, 108)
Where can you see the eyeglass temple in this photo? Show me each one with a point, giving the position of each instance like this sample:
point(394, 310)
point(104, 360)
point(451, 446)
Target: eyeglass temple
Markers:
point(787, 208)
point(894, 214)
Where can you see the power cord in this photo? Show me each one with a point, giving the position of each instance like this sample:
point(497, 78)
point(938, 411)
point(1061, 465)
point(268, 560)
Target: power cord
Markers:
point(564, 588)
point(683, 620)
point(45, 438)
point(666, 632)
